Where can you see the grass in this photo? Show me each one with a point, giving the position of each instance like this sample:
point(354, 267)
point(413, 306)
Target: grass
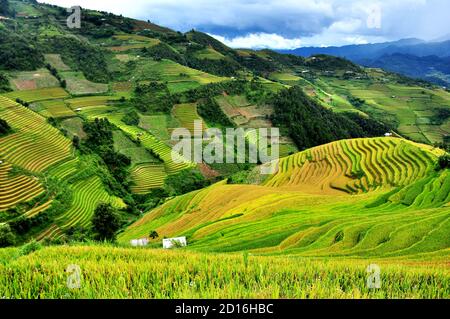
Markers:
point(112, 272)
point(25, 9)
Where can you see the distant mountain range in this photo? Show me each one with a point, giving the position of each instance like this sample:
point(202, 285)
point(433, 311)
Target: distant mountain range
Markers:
point(412, 57)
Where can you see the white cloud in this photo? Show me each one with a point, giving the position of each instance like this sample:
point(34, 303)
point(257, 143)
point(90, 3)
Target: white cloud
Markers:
point(315, 22)
point(345, 26)
point(260, 41)
point(356, 40)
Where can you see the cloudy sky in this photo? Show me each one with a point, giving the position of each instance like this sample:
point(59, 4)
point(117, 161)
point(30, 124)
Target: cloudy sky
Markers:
point(289, 24)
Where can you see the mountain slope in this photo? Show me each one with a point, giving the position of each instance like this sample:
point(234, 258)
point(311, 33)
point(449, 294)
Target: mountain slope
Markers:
point(97, 106)
point(410, 57)
point(306, 208)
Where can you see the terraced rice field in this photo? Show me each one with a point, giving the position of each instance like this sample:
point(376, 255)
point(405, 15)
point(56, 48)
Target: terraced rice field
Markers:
point(64, 169)
point(186, 114)
point(290, 216)
point(38, 209)
point(158, 125)
point(88, 194)
point(209, 54)
point(287, 78)
point(83, 102)
point(38, 95)
point(35, 145)
point(243, 113)
point(16, 189)
point(55, 61)
point(30, 80)
point(179, 77)
point(147, 177)
point(77, 84)
point(73, 126)
point(137, 154)
point(56, 109)
point(134, 41)
point(334, 167)
point(152, 143)
point(114, 272)
point(410, 106)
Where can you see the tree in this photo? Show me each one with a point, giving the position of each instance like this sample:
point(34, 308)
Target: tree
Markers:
point(7, 237)
point(444, 162)
point(4, 83)
point(153, 234)
point(186, 181)
point(76, 141)
point(106, 222)
point(4, 127)
point(131, 118)
point(4, 7)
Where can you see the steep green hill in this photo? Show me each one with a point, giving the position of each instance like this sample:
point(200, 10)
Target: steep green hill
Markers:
point(86, 117)
point(341, 199)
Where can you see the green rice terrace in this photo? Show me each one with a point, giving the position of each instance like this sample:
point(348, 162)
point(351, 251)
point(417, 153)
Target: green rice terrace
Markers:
point(86, 167)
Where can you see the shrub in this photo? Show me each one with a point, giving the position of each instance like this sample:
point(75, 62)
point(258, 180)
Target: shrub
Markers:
point(184, 182)
point(310, 124)
point(30, 248)
point(443, 162)
point(131, 118)
point(153, 234)
point(211, 112)
point(7, 237)
point(4, 83)
point(153, 97)
point(4, 127)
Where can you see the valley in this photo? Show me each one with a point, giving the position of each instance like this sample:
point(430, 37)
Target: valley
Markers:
point(86, 118)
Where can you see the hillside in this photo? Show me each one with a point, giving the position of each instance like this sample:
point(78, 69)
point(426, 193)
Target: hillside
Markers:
point(307, 207)
point(411, 57)
point(79, 101)
point(86, 166)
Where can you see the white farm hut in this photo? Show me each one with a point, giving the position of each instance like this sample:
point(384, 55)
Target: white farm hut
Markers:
point(139, 242)
point(174, 242)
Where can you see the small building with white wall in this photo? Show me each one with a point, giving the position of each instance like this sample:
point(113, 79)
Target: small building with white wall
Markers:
point(172, 242)
point(139, 242)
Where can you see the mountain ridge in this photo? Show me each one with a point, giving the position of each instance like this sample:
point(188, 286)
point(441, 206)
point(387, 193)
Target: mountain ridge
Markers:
point(371, 55)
